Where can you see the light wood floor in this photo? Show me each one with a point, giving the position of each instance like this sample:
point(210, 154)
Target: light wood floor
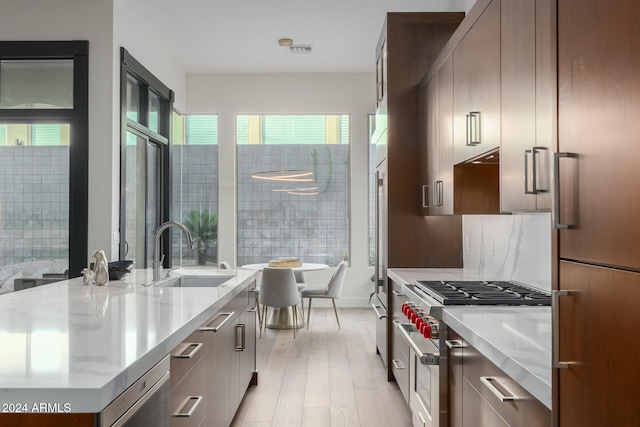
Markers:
point(324, 378)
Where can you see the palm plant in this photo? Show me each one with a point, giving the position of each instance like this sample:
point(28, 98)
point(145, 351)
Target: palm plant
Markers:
point(204, 229)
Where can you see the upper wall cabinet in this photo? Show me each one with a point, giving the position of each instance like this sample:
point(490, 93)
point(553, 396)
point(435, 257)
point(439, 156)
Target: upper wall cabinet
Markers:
point(436, 141)
point(527, 90)
point(476, 87)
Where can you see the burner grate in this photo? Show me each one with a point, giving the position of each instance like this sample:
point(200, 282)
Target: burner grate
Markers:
point(483, 293)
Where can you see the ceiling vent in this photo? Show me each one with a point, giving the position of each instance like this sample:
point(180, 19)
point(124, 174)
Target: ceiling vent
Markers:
point(299, 48)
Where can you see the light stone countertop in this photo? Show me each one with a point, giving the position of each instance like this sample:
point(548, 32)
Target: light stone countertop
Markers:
point(64, 343)
point(517, 339)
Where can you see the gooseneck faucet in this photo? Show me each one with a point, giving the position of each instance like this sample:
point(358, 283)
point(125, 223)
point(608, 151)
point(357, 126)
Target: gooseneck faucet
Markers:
point(156, 250)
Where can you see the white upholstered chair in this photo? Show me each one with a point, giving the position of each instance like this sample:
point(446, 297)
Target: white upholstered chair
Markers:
point(332, 291)
point(278, 289)
point(224, 265)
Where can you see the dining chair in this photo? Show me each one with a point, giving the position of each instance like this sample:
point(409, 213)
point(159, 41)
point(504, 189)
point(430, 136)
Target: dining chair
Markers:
point(278, 289)
point(332, 291)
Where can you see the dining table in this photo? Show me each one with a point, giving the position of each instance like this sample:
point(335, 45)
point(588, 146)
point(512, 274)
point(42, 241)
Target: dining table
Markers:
point(283, 318)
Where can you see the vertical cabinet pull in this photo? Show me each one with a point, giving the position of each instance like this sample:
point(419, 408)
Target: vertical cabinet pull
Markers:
point(535, 169)
point(555, 328)
point(425, 196)
point(241, 346)
point(473, 128)
point(556, 190)
point(439, 193)
point(397, 365)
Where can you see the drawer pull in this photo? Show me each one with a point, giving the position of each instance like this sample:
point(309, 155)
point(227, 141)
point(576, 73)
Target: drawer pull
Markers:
point(375, 308)
point(397, 365)
point(182, 354)
point(189, 407)
point(398, 293)
point(488, 381)
point(220, 325)
point(453, 344)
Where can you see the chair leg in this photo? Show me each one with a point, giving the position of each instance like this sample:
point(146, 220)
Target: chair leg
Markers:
point(335, 311)
point(308, 312)
point(262, 323)
point(295, 320)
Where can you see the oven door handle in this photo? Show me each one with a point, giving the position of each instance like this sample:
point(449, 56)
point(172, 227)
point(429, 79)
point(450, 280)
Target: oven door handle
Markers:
point(425, 358)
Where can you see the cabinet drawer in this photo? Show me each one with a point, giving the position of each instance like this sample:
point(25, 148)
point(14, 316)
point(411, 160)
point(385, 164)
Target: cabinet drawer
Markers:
point(187, 405)
point(489, 381)
point(400, 364)
point(477, 412)
point(185, 356)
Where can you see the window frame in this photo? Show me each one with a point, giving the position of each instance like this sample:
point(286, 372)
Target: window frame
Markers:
point(162, 139)
point(78, 119)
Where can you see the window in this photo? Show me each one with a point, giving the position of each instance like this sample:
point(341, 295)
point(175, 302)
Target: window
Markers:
point(309, 220)
point(43, 159)
point(144, 175)
point(194, 158)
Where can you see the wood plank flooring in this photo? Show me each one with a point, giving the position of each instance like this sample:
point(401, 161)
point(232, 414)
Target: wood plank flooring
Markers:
point(324, 378)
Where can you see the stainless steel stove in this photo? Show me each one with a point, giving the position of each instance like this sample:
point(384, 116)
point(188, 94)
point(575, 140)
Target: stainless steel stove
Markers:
point(426, 334)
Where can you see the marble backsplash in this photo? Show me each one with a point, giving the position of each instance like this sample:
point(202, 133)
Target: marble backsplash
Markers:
point(509, 247)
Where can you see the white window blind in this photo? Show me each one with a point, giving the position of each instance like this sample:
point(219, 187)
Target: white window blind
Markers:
point(202, 130)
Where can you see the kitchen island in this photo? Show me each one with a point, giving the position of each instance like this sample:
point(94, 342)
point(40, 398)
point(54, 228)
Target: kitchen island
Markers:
point(70, 348)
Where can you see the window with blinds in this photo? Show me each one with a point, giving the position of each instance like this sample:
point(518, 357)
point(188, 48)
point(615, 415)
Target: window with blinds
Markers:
point(3, 135)
point(307, 129)
point(201, 130)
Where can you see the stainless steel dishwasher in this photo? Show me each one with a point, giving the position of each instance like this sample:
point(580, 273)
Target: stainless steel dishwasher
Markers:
point(144, 404)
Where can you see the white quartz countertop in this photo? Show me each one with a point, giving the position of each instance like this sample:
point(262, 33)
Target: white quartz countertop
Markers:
point(516, 339)
point(80, 346)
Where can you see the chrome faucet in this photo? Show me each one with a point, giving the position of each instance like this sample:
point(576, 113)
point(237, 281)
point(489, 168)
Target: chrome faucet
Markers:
point(156, 250)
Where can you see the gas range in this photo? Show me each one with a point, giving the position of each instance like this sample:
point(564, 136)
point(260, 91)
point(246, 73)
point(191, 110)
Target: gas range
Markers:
point(434, 295)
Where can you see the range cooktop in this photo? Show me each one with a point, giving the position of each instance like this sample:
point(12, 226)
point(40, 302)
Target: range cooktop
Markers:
point(483, 293)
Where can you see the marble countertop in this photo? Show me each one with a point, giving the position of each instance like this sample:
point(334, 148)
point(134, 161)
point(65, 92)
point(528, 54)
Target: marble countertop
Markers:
point(81, 346)
point(516, 339)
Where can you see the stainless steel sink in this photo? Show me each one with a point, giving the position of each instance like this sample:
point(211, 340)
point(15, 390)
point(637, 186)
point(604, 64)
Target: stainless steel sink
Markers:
point(193, 281)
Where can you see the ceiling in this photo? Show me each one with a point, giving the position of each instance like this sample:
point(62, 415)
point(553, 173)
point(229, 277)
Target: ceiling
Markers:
point(241, 36)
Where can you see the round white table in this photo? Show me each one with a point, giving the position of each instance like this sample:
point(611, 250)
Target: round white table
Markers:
point(283, 318)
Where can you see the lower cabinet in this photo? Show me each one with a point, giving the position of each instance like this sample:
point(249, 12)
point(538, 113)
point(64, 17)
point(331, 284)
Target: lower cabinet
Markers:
point(482, 395)
point(219, 370)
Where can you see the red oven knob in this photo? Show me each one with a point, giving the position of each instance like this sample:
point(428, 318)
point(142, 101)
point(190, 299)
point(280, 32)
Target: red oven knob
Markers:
point(419, 323)
point(426, 330)
point(414, 317)
point(409, 313)
point(404, 308)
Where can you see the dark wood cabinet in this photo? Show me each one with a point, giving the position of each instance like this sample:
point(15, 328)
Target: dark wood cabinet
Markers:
point(413, 41)
point(436, 141)
point(597, 199)
point(599, 111)
point(476, 82)
point(527, 61)
point(482, 395)
point(600, 384)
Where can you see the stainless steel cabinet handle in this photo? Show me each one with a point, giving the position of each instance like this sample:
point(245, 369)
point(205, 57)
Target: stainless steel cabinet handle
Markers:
point(425, 358)
point(439, 193)
point(555, 328)
point(220, 325)
point(526, 173)
point(425, 195)
point(380, 316)
point(473, 128)
point(397, 364)
point(453, 344)
point(556, 190)
point(534, 171)
point(488, 382)
point(398, 293)
point(251, 310)
point(194, 401)
point(194, 346)
point(242, 328)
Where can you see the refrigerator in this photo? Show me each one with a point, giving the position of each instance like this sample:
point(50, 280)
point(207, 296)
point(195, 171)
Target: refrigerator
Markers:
point(379, 300)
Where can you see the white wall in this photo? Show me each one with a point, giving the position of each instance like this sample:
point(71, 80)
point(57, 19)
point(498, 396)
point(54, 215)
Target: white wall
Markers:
point(229, 94)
